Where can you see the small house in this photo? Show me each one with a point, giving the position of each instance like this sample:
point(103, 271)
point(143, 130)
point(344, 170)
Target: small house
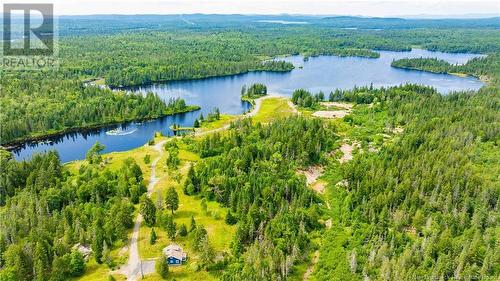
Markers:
point(174, 254)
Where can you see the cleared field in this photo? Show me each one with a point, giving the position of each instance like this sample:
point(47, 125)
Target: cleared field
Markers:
point(272, 109)
point(219, 233)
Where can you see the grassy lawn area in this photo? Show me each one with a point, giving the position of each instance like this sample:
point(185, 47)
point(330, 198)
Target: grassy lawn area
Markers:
point(98, 272)
point(220, 234)
point(180, 273)
point(114, 160)
point(272, 109)
point(225, 119)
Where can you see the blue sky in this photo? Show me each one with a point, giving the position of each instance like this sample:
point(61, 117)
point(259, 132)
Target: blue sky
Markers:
point(324, 7)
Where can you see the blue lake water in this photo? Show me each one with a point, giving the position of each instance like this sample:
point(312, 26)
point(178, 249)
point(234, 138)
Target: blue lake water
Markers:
point(324, 73)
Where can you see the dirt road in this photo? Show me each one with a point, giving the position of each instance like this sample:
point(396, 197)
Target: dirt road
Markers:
point(135, 268)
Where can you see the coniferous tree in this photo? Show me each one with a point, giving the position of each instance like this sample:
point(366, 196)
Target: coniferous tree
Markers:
point(171, 227)
point(192, 225)
point(148, 210)
point(98, 241)
point(77, 264)
point(182, 230)
point(230, 219)
point(152, 237)
point(162, 267)
point(172, 199)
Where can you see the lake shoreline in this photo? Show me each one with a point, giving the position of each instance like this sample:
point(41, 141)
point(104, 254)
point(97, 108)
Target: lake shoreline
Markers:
point(12, 145)
point(135, 86)
point(482, 78)
point(323, 73)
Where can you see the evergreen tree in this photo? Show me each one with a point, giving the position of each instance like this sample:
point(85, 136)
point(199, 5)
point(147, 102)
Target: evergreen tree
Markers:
point(98, 241)
point(152, 237)
point(204, 206)
point(192, 226)
point(162, 267)
point(207, 252)
point(230, 219)
point(106, 255)
point(182, 230)
point(94, 154)
point(172, 199)
point(148, 210)
point(77, 264)
point(40, 262)
point(171, 227)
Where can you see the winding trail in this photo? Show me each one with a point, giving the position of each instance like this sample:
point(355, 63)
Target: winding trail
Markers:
point(135, 268)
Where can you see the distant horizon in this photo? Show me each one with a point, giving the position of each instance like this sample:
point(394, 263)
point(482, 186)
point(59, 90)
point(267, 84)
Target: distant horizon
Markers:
point(420, 16)
point(356, 8)
point(408, 17)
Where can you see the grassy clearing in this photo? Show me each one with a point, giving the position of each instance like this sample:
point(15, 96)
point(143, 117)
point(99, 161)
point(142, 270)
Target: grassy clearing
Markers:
point(98, 272)
point(179, 273)
point(225, 119)
point(220, 234)
point(114, 160)
point(272, 109)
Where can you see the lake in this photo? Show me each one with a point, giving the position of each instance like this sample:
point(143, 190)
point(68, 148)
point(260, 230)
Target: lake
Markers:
point(323, 73)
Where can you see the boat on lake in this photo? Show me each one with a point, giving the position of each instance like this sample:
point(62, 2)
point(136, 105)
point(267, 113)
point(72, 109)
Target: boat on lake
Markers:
point(120, 132)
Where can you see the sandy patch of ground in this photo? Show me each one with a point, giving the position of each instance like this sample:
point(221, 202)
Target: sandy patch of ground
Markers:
point(330, 114)
point(397, 130)
point(342, 183)
point(347, 151)
point(328, 223)
point(319, 186)
point(343, 105)
point(310, 269)
point(312, 174)
point(293, 107)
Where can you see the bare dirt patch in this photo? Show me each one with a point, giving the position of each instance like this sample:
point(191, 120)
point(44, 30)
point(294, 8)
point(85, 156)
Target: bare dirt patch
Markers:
point(343, 105)
point(312, 174)
point(328, 223)
point(342, 183)
point(330, 114)
point(310, 269)
point(347, 151)
point(319, 186)
point(397, 130)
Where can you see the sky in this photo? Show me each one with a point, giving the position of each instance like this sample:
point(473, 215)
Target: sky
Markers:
point(378, 8)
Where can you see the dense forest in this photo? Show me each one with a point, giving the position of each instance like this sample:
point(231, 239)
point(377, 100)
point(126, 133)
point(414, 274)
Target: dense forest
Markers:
point(125, 54)
point(488, 67)
point(252, 170)
point(426, 205)
point(46, 212)
point(33, 105)
point(132, 58)
point(252, 92)
point(422, 205)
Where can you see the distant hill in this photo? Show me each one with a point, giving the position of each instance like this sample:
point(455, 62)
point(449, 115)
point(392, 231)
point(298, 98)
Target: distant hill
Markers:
point(110, 24)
